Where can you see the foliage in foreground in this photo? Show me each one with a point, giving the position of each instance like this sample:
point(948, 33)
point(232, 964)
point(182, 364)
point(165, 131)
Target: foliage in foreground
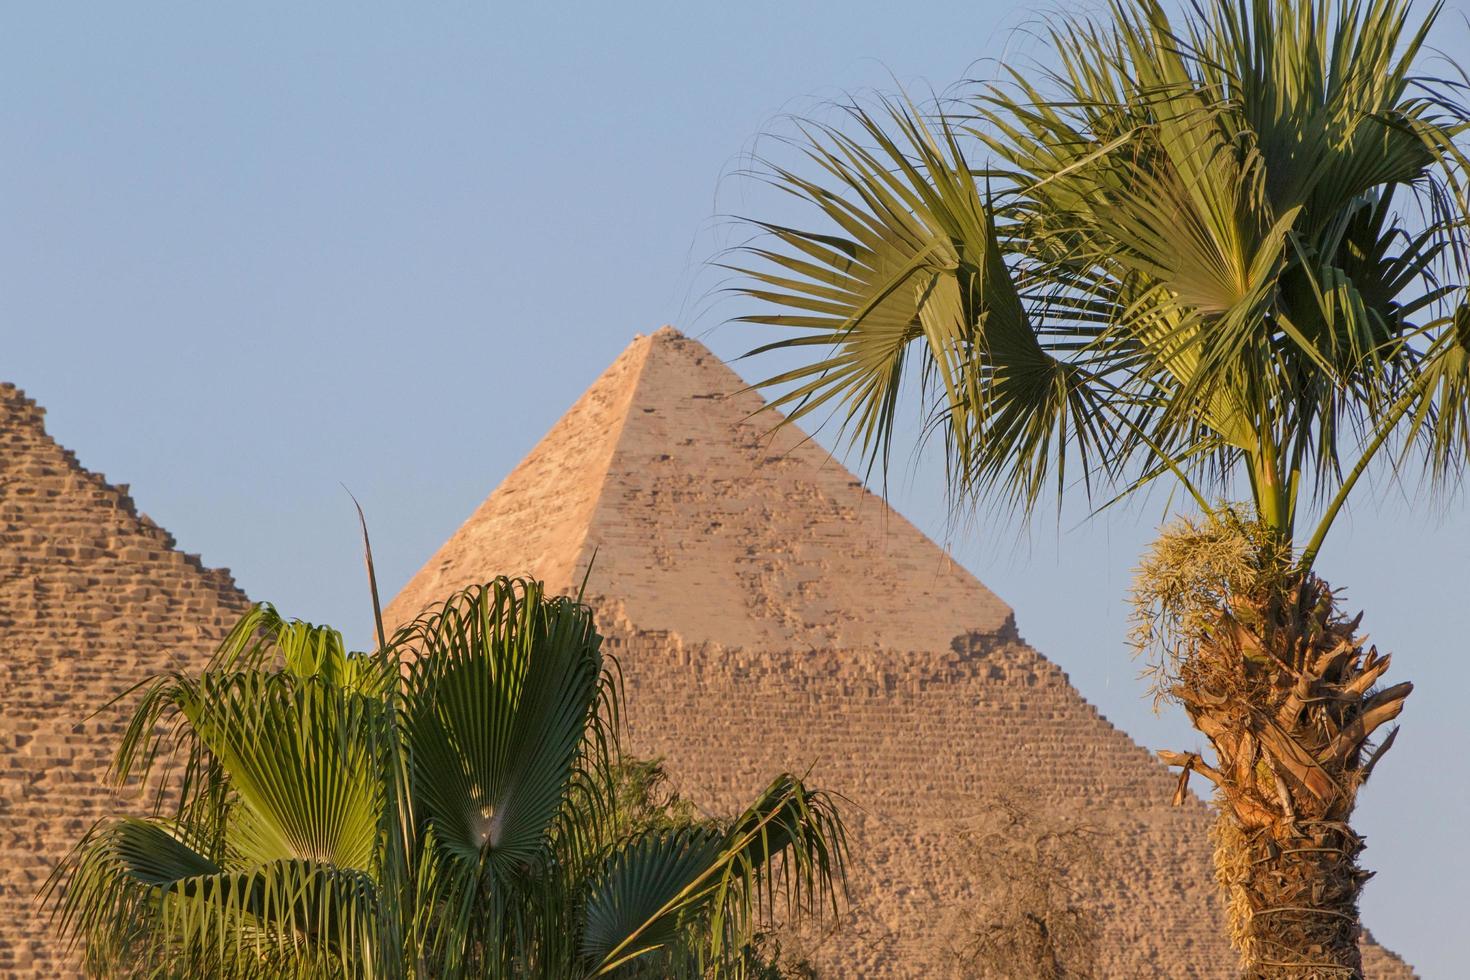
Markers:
point(446, 807)
point(646, 800)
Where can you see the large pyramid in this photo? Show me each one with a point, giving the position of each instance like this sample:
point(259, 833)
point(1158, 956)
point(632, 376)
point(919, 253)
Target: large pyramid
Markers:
point(768, 615)
point(93, 599)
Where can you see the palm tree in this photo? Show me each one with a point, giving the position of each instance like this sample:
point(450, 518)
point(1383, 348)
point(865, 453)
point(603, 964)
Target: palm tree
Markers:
point(1229, 252)
point(445, 807)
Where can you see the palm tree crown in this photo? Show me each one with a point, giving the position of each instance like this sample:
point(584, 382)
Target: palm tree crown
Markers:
point(1234, 248)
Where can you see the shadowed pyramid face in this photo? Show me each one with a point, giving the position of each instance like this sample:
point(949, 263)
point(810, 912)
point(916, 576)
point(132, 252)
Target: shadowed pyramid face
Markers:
point(769, 614)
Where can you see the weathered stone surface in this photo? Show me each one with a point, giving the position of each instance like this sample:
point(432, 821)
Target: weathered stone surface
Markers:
point(768, 614)
point(705, 525)
point(93, 599)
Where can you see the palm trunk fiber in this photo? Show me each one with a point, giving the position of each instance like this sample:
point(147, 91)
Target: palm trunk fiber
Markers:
point(1285, 691)
point(1293, 902)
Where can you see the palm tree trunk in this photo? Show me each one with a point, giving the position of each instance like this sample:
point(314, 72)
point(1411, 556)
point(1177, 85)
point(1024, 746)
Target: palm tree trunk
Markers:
point(1293, 902)
point(1284, 689)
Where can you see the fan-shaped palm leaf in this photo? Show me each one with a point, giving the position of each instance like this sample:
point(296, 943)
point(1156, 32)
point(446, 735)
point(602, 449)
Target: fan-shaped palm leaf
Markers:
point(508, 751)
point(682, 900)
point(276, 857)
point(1184, 259)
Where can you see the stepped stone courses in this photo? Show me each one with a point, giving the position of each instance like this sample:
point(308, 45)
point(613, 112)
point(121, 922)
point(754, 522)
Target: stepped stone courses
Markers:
point(93, 599)
point(768, 614)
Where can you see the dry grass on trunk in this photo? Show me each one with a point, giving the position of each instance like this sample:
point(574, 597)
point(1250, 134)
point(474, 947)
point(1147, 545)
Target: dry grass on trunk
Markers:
point(1286, 691)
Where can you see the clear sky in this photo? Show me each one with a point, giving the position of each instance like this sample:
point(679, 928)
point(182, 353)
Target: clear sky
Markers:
point(254, 251)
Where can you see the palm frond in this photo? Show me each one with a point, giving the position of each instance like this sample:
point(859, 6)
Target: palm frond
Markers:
point(917, 268)
point(687, 899)
point(509, 745)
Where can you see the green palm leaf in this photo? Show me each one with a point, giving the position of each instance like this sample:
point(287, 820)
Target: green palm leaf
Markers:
point(508, 740)
point(683, 899)
point(918, 268)
point(640, 906)
point(501, 694)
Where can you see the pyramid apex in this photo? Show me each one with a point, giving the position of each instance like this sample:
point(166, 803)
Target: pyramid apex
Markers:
point(664, 472)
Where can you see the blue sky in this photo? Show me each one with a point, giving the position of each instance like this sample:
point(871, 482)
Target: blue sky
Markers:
point(255, 251)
